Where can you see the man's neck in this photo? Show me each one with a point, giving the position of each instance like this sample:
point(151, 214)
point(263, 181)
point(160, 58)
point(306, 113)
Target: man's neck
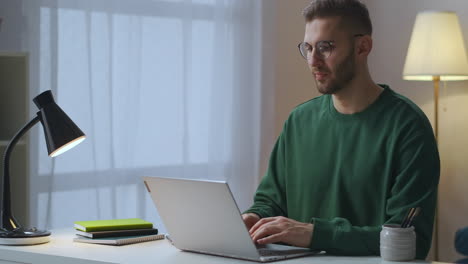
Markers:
point(356, 96)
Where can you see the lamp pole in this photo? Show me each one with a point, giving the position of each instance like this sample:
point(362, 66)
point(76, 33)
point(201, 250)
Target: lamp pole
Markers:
point(436, 81)
point(7, 220)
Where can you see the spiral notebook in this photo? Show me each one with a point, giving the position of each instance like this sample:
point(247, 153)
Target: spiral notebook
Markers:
point(119, 241)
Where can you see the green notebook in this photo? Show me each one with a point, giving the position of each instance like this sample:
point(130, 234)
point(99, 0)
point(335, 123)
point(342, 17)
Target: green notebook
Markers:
point(114, 224)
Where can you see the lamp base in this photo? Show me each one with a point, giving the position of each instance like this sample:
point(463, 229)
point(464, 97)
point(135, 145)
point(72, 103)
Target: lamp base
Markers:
point(24, 237)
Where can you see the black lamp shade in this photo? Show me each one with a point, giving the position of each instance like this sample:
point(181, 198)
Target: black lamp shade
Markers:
point(60, 131)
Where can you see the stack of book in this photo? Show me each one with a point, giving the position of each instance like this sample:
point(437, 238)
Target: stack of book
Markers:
point(116, 231)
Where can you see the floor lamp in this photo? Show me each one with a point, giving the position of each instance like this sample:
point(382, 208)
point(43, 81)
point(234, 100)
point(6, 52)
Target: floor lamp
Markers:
point(436, 53)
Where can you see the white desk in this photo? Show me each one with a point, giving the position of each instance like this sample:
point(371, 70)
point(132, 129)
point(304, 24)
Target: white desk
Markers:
point(61, 249)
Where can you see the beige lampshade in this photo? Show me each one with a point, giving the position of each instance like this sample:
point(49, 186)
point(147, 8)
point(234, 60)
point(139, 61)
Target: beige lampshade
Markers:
point(436, 48)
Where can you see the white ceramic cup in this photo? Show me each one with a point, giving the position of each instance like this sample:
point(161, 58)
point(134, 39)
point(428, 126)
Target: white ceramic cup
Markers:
point(397, 244)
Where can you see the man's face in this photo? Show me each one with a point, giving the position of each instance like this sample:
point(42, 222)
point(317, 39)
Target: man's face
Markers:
point(334, 72)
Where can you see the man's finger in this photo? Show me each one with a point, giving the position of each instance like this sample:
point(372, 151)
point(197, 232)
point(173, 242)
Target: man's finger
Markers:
point(260, 223)
point(250, 220)
point(266, 230)
point(279, 237)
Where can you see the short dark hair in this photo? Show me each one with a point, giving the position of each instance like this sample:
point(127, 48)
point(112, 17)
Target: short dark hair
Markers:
point(353, 12)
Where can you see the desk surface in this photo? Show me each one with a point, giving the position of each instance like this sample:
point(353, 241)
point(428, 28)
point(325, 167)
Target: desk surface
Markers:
point(61, 249)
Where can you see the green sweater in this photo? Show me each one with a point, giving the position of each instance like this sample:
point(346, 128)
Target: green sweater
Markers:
point(350, 174)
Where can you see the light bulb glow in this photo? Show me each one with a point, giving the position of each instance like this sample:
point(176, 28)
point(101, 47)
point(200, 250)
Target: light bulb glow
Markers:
point(67, 146)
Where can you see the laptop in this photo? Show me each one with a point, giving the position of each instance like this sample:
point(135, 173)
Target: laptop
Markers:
point(202, 216)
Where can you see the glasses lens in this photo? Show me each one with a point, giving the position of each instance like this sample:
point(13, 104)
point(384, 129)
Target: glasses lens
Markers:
point(324, 49)
point(305, 49)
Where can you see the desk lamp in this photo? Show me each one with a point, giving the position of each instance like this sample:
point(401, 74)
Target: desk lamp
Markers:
point(436, 53)
point(61, 134)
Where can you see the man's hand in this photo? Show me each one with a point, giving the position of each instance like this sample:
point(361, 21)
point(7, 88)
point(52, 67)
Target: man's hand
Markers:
point(282, 229)
point(250, 219)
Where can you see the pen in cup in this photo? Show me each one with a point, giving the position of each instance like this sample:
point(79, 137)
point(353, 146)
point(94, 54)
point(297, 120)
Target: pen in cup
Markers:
point(416, 212)
point(408, 221)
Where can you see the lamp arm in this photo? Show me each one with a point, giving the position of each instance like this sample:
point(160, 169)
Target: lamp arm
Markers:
point(7, 221)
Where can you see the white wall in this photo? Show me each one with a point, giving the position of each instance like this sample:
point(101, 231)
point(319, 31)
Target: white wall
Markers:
point(294, 83)
point(283, 69)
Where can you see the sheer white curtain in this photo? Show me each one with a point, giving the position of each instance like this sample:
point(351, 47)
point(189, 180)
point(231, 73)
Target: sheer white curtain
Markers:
point(161, 88)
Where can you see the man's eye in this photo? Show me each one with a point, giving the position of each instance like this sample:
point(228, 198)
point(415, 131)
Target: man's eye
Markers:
point(323, 48)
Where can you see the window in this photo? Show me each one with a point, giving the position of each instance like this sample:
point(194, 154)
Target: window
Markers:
point(163, 88)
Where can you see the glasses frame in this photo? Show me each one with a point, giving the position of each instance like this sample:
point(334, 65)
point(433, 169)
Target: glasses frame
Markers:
point(329, 42)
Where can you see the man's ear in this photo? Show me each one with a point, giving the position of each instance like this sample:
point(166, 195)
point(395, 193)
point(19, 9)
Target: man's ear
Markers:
point(364, 46)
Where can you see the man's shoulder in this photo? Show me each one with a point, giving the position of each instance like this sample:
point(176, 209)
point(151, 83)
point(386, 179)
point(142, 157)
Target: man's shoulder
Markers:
point(405, 105)
point(406, 112)
point(312, 106)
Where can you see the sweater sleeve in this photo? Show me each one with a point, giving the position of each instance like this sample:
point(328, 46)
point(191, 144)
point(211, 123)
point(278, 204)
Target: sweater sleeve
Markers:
point(270, 199)
point(417, 169)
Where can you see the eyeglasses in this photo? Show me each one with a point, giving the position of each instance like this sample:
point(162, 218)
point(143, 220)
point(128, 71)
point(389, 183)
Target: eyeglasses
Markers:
point(323, 49)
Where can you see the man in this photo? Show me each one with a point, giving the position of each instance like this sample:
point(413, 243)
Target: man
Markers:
point(351, 160)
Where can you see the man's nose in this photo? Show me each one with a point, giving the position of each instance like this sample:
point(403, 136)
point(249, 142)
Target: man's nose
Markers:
point(314, 59)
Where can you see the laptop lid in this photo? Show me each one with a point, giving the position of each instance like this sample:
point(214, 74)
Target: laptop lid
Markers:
point(201, 216)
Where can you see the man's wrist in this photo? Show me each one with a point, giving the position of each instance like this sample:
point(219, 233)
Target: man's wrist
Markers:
point(311, 226)
point(252, 214)
point(253, 211)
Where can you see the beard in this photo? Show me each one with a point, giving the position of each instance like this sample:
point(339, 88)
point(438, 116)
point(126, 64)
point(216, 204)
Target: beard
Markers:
point(344, 72)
